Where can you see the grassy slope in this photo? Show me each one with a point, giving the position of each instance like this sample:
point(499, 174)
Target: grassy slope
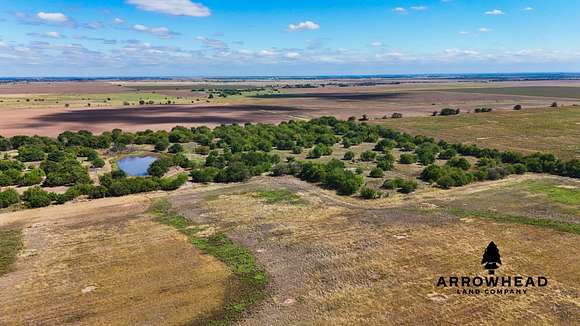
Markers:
point(10, 244)
point(250, 279)
point(547, 129)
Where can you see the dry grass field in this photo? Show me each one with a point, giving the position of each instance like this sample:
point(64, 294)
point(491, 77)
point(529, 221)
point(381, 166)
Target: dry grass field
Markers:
point(107, 263)
point(552, 130)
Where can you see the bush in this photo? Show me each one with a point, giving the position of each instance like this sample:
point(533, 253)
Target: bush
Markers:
point(204, 175)
point(296, 150)
point(348, 156)
point(392, 184)
point(369, 193)
point(368, 156)
point(447, 154)
point(376, 173)
point(517, 107)
point(36, 197)
point(176, 148)
point(159, 167)
point(8, 198)
point(30, 153)
point(359, 170)
point(384, 144)
point(431, 173)
point(173, 183)
point(408, 159)
point(517, 168)
point(98, 163)
point(161, 144)
point(448, 111)
point(407, 186)
point(235, 172)
point(396, 115)
point(345, 182)
point(31, 178)
point(459, 162)
point(554, 105)
point(386, 162)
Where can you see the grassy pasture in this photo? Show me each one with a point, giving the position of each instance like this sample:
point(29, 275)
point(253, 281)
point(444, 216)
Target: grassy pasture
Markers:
point(10, 244)
point(551, 130)
point(542, 91)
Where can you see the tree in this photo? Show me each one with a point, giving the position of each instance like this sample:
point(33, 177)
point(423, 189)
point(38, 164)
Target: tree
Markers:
point(161, 144)
point(8, 198)
point(204, 175)
point(517, 107)
point(554, 105)
point(459, 162)
point(491, 258)
point(396, 115)
point(36, 197)
point(176, 148)
point(368, 156)
point(30, 153)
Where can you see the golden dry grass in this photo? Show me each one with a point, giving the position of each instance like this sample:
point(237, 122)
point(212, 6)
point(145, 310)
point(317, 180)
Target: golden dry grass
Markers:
point(95, 268)
point(339, 264)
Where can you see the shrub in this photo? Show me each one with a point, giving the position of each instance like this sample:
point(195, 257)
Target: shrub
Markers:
point(369, 193)
point(517, 107)
point(384, 144)
point(30, 153)
point(554, 105)
point(448, 111)
point(173, 183)
point(201, 150)
point(459, 162)
point(33, 177)
point(359, 170)
point(392, 184)
point(431, 173)
point(407, 186)
point(408, 159)
point(376, 173)
point(176, 148)
point(368, 156)
point(161, 144)
point(159, 167)
point(517, 168)
point(386, 162)
point(204, 175)
point(36, 197)
point(235, 172)
point(396, 115)
point(98, 163)
point(348, 156)
point(447, 154)
point(8, 198)
point(296, 150)
point(345, 182)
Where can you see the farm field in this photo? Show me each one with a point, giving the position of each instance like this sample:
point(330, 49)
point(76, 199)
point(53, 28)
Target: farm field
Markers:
point(310, 222)
point(542, 91)
point(554, 130)
point(189, 104)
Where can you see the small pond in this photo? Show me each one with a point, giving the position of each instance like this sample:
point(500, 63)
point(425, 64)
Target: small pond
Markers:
point(136, 166)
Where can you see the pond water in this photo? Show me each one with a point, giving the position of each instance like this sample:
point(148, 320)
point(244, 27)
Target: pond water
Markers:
point(136, 166)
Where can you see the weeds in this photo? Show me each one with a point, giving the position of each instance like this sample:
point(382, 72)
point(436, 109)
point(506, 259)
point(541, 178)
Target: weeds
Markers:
point(10, 245)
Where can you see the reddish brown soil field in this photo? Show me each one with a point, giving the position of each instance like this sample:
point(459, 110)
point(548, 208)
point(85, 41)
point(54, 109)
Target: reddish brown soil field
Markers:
point(376, 102)
point(61, 88)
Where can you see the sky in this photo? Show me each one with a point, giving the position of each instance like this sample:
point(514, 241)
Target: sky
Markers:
point(291, 38)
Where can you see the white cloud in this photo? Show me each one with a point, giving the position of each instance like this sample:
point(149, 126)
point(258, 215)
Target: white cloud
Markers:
point(400, 10)
point(376, 44)
point(306, 25)
point(266, 53)
point(292, 55)
point(495, 12)
point(419, 8)
point(464, 33)
point(52, 17)
point(161, 32)
point(118, 21)
point(53, 34)
point(484, 30)
point(528, 9)
point(212, 43)
point(173, 7)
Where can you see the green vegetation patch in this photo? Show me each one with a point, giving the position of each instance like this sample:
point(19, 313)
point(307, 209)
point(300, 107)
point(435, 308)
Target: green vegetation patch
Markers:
point(505, 218)
point(557, 193)
point(250, 279)
point(279, 196)
point(10, 245)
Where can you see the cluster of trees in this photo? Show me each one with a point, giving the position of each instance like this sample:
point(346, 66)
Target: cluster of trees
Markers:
point(401, 185)
point(483, 110)
point(446, 111)
point(234, 167)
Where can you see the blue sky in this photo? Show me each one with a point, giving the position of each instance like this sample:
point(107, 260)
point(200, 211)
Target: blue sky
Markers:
point(229, 38)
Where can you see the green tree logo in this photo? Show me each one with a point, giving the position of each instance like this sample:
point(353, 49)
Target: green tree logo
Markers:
point(491, 258)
